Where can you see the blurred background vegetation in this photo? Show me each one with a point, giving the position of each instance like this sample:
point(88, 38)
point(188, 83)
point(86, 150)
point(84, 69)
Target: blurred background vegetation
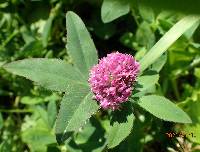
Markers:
point(37, 28)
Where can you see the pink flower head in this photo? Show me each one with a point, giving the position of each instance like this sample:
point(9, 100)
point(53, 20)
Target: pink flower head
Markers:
point(111, 80)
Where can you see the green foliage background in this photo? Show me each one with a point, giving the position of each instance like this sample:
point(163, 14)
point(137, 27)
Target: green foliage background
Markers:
point(38, 29)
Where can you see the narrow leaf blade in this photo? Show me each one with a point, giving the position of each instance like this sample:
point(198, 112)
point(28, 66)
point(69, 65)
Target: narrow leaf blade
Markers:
point(47, 30)
point(121, 127)
point(159, 63)
point(76, 108)
point(79, 44)
point(167, 40)
point(52, 112)
point(52, 74)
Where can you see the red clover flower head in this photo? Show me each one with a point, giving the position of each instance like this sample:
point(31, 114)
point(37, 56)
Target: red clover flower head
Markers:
point(111, 80)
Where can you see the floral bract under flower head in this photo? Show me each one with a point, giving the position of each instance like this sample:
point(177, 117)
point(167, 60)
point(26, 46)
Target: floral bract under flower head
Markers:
point(111, 80)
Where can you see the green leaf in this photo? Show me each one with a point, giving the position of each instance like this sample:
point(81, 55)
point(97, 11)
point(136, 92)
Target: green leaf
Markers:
point(167, 40)
point(31, 100)
point(147, 13)
point(192, 106)
point(163, 108)
point(90, 138)
point(37, 136)
point(52, 112)
point(173, 5)
point(52, 74)
point(76, 108)
point(145, 35)
point(159, 63)
point(112, 9)
point(145, 82)
point(85, 134)
point(137, 135)
point(36, 132)
point(1, 121)
point(5, 146)
point(193, 132)
point(121, 127)
point(1, 63)
point(197, 73)
point(79, 44)
point(33, 48)
point(189, 33)
point(47, 30)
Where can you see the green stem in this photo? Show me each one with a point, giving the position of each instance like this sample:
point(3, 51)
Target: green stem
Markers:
point(10, 38)
point(175, 89)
